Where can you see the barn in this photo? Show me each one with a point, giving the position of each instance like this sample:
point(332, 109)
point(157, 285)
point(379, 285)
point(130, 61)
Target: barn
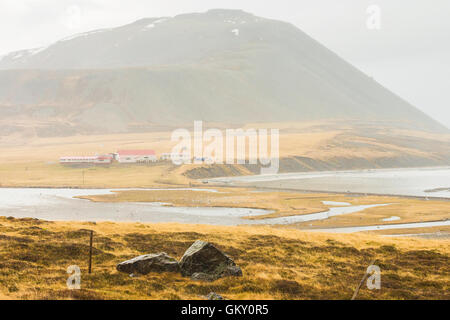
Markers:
point(83, 160)
point(136, 156)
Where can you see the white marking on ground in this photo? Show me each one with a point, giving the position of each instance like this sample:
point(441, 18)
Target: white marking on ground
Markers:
point(393, 218)
point(334, 203)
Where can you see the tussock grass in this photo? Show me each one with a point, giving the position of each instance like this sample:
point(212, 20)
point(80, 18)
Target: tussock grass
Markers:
point(277, 263)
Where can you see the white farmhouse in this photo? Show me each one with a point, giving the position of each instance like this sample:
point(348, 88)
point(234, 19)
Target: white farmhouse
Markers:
point(175, 157)
point(136, 156)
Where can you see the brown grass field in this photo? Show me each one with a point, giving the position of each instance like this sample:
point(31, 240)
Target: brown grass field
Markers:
point(39, 174)
point(277, 263)
point(33, 161)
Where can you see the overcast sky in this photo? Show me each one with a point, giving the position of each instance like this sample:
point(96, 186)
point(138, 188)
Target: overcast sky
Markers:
point(409, 54)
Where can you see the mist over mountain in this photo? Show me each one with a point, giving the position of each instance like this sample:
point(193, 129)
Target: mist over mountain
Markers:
point(224, 66)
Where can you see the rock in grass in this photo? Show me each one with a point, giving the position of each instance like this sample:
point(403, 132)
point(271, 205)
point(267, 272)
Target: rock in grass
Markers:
point(201, 276)
point(160, 262)
point(203, 261)
point(214, 296)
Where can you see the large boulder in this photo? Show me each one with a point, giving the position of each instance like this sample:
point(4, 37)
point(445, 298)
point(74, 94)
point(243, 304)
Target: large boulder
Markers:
point(160, 262)
point(203, 261)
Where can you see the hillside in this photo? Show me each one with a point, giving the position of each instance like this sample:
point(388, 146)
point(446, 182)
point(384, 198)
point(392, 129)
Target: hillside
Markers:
point(222, 66)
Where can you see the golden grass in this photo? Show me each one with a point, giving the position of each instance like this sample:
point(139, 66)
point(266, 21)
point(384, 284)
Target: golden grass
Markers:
point(52, 148)
point(443, 230)
point(318, 140)
point(32, 161)
point(409, 210)
point(277, 263)
point(38, 174)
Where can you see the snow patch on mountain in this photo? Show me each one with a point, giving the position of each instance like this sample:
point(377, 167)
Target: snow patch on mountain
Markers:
point(35, 51)
point(84, 34)
point(18, 54)
point(154, 23)
point(161, 20)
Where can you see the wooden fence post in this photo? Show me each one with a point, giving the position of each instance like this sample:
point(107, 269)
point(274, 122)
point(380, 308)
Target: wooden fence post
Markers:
point(366, 275)
point(90, 251)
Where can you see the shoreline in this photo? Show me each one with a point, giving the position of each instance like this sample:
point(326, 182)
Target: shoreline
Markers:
point(136, 211)
point(332, 171)
point(350, 194)
point(211, 186)
point(393, 225)
point(324, 231)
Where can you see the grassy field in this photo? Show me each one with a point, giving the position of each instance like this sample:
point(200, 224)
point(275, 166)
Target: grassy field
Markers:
point(321, 140)
point(33, 161)
point(39, 174)
point(277, 263)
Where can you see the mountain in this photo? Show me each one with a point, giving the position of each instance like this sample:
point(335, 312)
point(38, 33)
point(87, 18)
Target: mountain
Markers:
point(224, 66)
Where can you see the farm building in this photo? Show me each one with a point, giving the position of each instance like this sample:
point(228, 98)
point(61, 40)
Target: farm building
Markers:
point(175, 156)
point(136, 156)
point(74, 160)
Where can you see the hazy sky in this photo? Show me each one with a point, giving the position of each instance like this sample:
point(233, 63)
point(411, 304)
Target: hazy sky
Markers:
point(409, 54)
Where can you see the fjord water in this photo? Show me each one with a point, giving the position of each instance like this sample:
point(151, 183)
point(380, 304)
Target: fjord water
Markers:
point(423, 182)
point(60, 204)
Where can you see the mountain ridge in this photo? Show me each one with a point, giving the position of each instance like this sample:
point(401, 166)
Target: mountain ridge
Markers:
point(220, 66)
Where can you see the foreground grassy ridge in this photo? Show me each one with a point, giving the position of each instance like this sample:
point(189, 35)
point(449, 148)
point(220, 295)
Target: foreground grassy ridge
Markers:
point(277, 263)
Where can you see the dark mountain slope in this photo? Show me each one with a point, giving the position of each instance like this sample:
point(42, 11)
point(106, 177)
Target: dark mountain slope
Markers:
point(223, 66)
